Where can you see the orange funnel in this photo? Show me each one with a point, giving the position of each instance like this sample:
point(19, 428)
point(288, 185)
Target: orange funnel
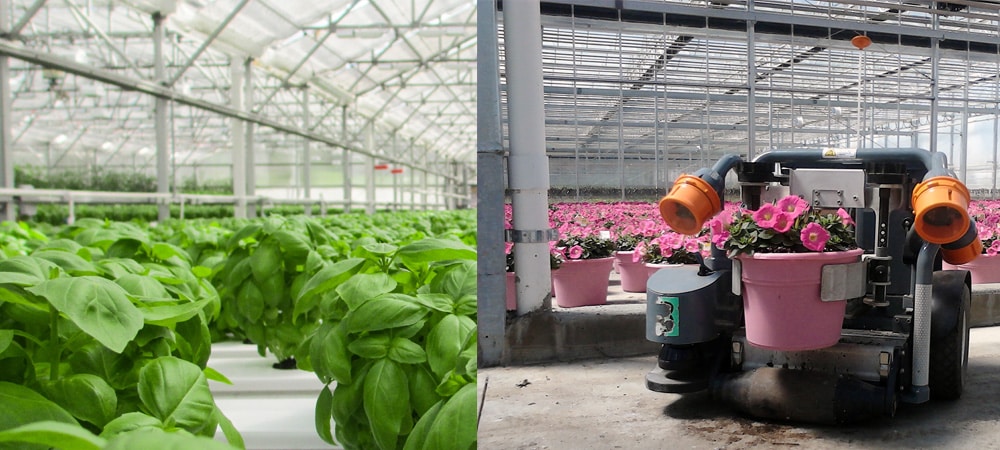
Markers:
point(963, 255)
point(690, 202)
point(940, 205)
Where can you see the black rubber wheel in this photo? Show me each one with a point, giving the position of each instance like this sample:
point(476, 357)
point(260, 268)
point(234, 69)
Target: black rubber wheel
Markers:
point(950, 355)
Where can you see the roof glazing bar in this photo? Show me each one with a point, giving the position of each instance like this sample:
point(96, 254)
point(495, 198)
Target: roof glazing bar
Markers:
point(30, 13)
point(208, 41)
point(88, 23)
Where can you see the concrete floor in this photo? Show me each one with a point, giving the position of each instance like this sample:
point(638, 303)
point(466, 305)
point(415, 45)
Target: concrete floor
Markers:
point(603, 404)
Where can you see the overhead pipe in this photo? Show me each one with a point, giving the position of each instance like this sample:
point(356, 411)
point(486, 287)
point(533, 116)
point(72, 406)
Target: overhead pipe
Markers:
point(527, 165)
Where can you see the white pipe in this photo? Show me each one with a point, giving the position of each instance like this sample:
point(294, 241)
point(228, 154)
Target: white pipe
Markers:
point(238, 137)
point(527, 165)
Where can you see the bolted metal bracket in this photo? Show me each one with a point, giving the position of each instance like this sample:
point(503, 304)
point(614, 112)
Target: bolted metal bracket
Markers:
point(843, 281)
point(531, 236)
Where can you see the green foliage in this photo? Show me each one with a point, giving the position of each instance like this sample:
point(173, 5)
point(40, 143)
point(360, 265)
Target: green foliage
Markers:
point(100, 325)
point(398, 338)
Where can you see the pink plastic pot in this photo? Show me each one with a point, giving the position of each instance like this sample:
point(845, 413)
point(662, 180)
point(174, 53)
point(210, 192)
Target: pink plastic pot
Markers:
point(633, 274)
point(984, 269)
point(582, 282)
point(781, 300)
point(511, 292)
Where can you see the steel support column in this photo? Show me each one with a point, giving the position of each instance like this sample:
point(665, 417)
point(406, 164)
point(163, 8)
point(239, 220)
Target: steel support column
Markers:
point(6, 121)
point(160, 120)
point(528, 166)
point(238, 136)
point(370, 179)
point(345, 160)
point(306, 147)
point(935, 88)
point(251, 175)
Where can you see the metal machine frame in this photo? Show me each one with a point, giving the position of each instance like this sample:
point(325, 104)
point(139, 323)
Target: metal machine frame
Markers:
point(905, 333)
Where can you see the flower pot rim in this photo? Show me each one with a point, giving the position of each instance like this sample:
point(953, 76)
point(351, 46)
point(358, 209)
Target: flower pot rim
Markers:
point(807, 255)
point(588, 259)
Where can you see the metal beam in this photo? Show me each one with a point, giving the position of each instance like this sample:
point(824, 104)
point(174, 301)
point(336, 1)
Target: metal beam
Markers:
point(28, 15)
point(208, 41)
point(6, 144)
point(160, 120)
point(111, 45)
point(154, 89)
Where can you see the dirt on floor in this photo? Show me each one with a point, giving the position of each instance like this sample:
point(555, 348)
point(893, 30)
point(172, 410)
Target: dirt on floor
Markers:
point(604, 404)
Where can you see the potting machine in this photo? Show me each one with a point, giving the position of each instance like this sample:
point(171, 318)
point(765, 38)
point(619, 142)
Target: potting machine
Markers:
point(905, 330)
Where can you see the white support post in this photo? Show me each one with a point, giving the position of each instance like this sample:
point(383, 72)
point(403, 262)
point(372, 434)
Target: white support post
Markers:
point(238, 137)
point(370, 185)
point(528, 166)
point(306, 147)
point(251, 175)
point(346, 161)
point(160, 120)
point(6, 143)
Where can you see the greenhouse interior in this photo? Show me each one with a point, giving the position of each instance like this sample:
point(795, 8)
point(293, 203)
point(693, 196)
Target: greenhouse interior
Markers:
point(237, 224)
point(690, 137)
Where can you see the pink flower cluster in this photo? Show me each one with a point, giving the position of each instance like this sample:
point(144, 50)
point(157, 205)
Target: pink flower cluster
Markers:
point(987, 216)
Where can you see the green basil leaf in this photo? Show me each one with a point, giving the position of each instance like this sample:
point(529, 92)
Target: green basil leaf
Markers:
point(22, 405)
point(405, 351)
point(293, 245)
point(386, 401)
point(98, 306)
point(466, 306)
point(128, 422)
point(444, 342)
point(371, 347)
point(324, 412)
point(103, 362)
point(437, 302)
point(430, 250)
point(454, 426)
point(418, 437)
point(194, 340)
point(250, 302)
point(69, 262)
point(168, 315)
point(6, 337)
point(384, 313)
point(266, 260)
point(176, 392)
point(215, 375)
point(363, 287)
point(347, 397)
point(24, 270)
point(142, 286)
point(229, 430)
point(162, 440)
point(329, 354)
point(87, 397)
point(379, 249)
point(328, 279)
point(422, 389)
point(50, 434)
point(457, 281)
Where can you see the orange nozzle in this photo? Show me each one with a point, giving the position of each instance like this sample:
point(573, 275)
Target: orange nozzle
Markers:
point(940, 205)
point(963, 255)
point(690, 202)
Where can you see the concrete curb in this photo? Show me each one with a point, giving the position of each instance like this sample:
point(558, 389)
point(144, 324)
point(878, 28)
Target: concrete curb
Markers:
point(617, 330)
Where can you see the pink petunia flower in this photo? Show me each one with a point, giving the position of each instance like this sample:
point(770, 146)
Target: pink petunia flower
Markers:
point(640, 248)
point(793, 205)
point(692, 246)
point(765, 216)
point(845, 217)
point(720, 239)
point(814, 237)
point(994, 248)
point(783, 222)
point(575, 252)
point(508, 246)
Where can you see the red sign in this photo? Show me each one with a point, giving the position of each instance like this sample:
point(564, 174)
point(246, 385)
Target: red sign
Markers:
point(397, 171)
point(381, 166)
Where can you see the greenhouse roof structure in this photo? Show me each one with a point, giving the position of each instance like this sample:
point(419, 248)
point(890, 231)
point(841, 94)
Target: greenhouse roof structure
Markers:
point(390, 79)
point(678, 83)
